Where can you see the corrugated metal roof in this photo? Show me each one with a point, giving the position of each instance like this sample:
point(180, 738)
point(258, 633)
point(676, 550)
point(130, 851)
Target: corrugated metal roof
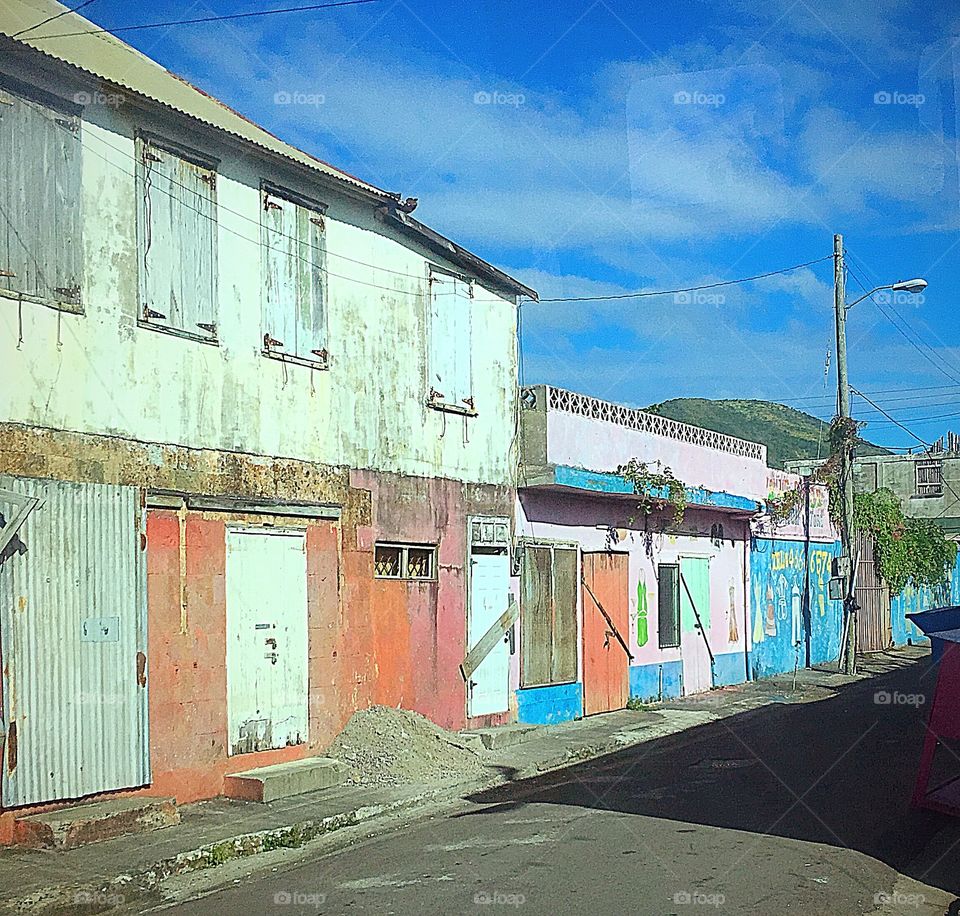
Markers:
point(108, 58)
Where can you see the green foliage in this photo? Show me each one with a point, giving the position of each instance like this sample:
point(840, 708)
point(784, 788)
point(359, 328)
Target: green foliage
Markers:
point(908, 549)
point(651, 485)
point(787, 433)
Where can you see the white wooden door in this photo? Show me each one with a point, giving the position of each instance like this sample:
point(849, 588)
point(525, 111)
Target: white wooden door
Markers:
point(489, 595)
point(266, 639)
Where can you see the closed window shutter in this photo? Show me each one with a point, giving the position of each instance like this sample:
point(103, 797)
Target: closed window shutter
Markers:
point(40, 196)
point(278, 232)
point(176, 241)
point(462, 307)
point(312, 323)
point(443, 338)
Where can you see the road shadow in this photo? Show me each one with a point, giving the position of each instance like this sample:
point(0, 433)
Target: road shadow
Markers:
point(839, 772)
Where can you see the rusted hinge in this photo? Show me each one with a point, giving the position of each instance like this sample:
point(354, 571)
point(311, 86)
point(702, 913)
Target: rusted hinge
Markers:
point(321, 354)
point(149, 313)
point(270, 204)
point(68, 292)
point(7, 273)
point(270, 343)
point(209, 326)
point(151, 157)
point(318, 221)
point(436, 395)
point(210, 178)
point(469, 402)
point(72, 126)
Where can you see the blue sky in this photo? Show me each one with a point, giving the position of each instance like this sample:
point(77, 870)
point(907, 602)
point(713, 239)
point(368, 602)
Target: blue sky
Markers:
point(596, 148)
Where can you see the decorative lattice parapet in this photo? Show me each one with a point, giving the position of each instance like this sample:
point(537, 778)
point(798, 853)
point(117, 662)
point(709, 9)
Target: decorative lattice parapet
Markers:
point(585, 406)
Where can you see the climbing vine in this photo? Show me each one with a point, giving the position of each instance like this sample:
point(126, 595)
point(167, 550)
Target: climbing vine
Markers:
point(907, 549)
point(654, 488)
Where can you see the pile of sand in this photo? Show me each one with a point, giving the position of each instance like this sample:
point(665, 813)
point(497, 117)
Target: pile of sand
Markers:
point(384, 746)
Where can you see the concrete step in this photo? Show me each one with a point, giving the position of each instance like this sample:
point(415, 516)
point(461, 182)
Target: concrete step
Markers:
point(280, 780)
point(504, 736)
point(78, 825)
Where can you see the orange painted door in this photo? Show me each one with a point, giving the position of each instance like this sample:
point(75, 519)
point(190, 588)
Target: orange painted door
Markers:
point(605, 661)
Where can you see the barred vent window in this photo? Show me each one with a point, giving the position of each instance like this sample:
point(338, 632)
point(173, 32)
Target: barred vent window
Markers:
point(929, 478)
point(404, 561)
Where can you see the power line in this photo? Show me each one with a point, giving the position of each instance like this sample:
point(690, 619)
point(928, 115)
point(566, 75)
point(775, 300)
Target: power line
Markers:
point(200, 19)
point(829, 398)
point(686, 289)
point(927, 446)
point(942, 366)
point(52, 19)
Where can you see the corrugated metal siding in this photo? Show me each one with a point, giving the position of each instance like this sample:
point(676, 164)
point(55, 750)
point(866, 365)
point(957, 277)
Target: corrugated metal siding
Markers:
point(874, 630)
point(79, 713)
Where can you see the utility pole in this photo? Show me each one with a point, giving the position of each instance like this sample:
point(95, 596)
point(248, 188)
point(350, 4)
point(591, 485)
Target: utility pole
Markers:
point(849, 650)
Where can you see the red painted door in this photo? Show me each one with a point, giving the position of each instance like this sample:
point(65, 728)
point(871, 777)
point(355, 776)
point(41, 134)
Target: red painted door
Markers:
point(605, 661)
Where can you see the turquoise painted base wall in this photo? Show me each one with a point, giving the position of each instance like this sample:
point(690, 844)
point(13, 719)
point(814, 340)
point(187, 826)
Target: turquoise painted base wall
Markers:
point(780, 629)
point(658, 681)
point(729, 668)
point(911, 600)
point(549, 705)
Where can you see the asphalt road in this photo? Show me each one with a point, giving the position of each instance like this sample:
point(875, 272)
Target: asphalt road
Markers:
point(785, 809)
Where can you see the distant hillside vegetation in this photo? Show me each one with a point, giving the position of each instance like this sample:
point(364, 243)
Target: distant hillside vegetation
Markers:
point(787, 433)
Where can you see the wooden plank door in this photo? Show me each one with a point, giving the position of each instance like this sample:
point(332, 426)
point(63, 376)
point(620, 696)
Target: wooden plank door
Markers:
point(605, 661)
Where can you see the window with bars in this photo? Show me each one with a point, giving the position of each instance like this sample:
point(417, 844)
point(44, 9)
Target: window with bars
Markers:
point(40, 175)
point(404, 561)
point(668, 605)
point(929, 478)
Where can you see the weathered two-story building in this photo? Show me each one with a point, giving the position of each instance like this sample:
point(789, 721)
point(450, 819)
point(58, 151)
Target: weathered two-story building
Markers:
point(257, 437)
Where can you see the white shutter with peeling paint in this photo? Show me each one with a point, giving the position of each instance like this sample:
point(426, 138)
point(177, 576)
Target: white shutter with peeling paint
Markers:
point(278, 222)
point(442, 356)
point(40, 175)
point(176, 216)
point(462, 306)
point(294, 291)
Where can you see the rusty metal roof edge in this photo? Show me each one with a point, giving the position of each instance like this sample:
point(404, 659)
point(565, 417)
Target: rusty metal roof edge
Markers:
point(456, 253)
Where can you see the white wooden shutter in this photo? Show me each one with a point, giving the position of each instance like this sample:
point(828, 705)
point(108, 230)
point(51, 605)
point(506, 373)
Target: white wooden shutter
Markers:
point(40, 196)
point(312, 323)
point(441, 358)
point(461, 306)
point(278, 232)
point(176, 241)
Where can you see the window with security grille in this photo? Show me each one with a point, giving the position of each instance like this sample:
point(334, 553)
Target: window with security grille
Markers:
point(404, 561)
point(40, 175)
point(929, 478)
point(668, 605)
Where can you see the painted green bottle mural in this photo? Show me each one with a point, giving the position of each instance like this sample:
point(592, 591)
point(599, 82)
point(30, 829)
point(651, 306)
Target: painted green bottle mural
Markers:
point(642, 633)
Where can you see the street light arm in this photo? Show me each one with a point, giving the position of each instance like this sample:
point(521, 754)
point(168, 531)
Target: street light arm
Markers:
point(850, 305)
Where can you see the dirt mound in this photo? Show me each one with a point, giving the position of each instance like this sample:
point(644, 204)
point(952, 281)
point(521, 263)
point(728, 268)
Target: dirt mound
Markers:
point(385, 746)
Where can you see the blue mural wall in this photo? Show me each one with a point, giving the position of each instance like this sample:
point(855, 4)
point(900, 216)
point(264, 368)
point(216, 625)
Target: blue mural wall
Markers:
point(781, 633)
point(911, 600)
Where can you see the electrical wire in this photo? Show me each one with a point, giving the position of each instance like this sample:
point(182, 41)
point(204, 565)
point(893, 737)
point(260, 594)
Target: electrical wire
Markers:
point(942, 366)
point(76, 9)
point(201, 19)
point(687, 289)
point(928, 448)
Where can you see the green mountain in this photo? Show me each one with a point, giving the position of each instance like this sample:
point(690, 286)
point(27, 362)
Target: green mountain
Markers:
point(786, 432)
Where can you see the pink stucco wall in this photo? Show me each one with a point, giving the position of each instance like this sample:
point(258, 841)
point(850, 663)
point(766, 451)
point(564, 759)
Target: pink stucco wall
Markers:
point(588, 521)
point(600, 445)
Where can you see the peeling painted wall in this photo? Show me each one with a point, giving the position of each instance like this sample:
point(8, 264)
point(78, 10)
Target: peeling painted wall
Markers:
point(99, 372)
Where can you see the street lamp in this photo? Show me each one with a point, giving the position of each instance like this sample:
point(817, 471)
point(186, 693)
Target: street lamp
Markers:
point(841, 307)
point(916, 285)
